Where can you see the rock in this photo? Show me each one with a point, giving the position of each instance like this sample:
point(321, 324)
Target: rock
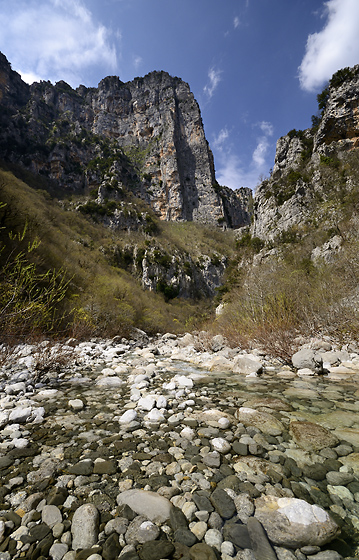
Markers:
point(265, 422)
point(111, 547)
point(51, 515)
point(128, 416)
point(58, 551)
point(76, 404)
point(147, 403)
point(202, 551)
point(260, 544)
point(118, 525)
point(147, 531)
point(223, 503)
point(103, 466)
point(156, 508)
point(185, 536)
point(156, 550)
point(237, 534)
point(214, 539)
point(242, 364)
point(199, 530)
point(221, 445)
point(339, 478)
point(110, 382)
point(268, 402)
point(155, 416)
point(306, 358)
point(20, 414)
point(294, 523)
point(84, 527)
point(312, 437)
point(84, 467)
point(244, 506)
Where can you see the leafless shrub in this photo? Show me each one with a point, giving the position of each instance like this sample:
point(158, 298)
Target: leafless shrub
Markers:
point(50, 357)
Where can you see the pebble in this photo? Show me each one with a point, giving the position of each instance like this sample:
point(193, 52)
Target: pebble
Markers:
point(138, 453)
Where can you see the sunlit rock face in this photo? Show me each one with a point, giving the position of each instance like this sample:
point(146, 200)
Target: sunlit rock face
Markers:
point(147, 134)
point(314, 169)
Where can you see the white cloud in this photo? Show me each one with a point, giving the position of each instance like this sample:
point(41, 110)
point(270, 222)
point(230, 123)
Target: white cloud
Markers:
point(236, 22)
point(54, 40)
point(266, 128)
point(214, 75)
point(335, 46)
point(260, 152)
point(231, 171)
point(221, 138)
point(137, 61)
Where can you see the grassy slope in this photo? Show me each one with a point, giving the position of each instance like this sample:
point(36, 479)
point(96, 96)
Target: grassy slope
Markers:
point(108, 300)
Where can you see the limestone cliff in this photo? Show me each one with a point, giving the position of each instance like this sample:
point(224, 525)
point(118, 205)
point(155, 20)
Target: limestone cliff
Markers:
point(144, 137)
point(315, 173)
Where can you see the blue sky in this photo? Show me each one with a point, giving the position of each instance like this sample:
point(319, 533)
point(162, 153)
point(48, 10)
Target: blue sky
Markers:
point(254, 66)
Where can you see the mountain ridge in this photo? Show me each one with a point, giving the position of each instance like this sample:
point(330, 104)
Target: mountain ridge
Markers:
point(146, 134)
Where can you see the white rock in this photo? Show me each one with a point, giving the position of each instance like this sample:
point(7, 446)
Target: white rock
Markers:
point(20, 414)
point(37, 415)
point(121, 368)
point(155, 507)
point(47, 393)
point(76, 404)
point(221, 445)
point(199, 529)
point(155, 415)
point(189, 509)
point(213, 538)
point(147, 403)
point(227, 548)
point(109, 382)
point(15, 388)
point(108, 372)
point(188, 433)
point(294, 523)
point(183, 382)
point(51, 515)
point(20, 443)
point(4, 416)
point(161, 402)
point(58, 551)
point(84, 527)
point(224, 423)
point(128, 417)
point(305, 372)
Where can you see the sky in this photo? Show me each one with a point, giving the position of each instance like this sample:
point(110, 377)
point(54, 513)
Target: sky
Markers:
point(254, 66)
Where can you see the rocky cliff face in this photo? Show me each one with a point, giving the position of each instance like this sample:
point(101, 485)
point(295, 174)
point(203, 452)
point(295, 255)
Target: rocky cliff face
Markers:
point(144, 137)
point(315, 171)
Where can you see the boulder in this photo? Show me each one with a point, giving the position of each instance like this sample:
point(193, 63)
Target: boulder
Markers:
point(294, 523)
point(265, 422)
point(85, 527)
point(310, 359)
point(312, 437)
point(248, 366)
point(154, 507)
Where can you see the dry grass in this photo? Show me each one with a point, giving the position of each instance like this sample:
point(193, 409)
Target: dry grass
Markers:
point(101, 300)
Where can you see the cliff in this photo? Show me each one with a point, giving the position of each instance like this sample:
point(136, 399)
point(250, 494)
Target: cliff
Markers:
point(144, 137)
point(315, 173)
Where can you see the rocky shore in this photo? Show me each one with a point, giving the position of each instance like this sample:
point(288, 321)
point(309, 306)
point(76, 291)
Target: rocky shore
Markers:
point(179, 447)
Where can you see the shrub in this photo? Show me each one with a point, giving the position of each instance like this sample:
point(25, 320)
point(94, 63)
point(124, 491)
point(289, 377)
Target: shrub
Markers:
point(169, 291)
point(329, 161)
point(29, 299)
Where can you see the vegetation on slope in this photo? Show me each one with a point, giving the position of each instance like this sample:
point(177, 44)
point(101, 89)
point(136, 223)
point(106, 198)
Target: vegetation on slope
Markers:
point(57, 263)
point(281, 288)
